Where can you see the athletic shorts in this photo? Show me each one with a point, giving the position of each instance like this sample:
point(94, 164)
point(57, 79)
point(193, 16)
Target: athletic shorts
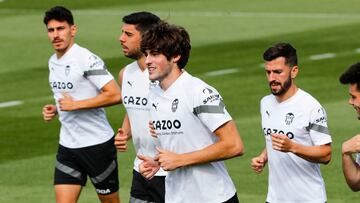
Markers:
point(234, 199)
point(143, 190)
point(99, 162)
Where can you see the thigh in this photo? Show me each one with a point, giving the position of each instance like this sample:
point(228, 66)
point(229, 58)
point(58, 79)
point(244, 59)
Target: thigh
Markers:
point(110, 198)
point(100, 163)
point(67, 169)
point(67, 193)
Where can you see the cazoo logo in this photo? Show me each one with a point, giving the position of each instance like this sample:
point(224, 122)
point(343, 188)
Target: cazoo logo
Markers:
point(167, 124)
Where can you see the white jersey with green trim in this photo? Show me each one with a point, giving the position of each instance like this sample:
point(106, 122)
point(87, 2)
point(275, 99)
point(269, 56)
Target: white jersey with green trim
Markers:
point(185, 117)
point(304, 121)
point(135, 91)
point(81, 74)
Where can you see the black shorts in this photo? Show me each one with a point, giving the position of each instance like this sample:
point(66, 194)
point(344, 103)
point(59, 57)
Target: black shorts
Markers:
point(234, 199)
point(147, 190)
point(99, 162)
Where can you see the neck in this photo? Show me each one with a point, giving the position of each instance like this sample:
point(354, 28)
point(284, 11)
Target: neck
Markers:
point(291, 92)
point(141, 63)
point(170, 78)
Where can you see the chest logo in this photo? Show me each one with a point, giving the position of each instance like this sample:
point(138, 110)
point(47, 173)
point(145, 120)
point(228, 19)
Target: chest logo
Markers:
point(174, 105)
point(289, 118)
point(155, 106)
point(67, 70)
point(129, 83)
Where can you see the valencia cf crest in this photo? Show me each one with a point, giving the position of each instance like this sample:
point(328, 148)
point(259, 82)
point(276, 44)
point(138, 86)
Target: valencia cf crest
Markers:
point(289, 118)
point(174, 105)
point(67, 70)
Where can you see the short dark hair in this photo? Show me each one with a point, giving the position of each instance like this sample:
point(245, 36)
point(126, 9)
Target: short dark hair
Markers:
point(282, 50)
point(351, 76)
point(169, 40)
point(142, 20)
point(59, 13)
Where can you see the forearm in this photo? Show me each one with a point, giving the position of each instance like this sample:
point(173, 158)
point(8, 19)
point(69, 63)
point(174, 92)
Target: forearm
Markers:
point(102, 100)
point(126, 126)
point(351, 172)
point(229, 145)
point(314, 154)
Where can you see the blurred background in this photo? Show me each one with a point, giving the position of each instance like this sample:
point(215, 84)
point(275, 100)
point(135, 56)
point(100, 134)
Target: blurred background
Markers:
point(228, 38)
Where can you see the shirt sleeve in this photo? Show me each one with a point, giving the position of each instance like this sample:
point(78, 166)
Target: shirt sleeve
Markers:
point(210, 108)
point(95, 71)
point(318, 129)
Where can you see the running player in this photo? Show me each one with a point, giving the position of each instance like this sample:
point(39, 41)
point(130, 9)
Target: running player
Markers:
point(351, 168)
point(295, 131)
point(135, 84)
point(81, 86)
point(194, 129)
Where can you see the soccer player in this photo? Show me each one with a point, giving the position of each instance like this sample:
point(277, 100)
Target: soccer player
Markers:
point(194, 129)
point(81, 86)
point(296, 133)
point(135, 84)
point(351, 168)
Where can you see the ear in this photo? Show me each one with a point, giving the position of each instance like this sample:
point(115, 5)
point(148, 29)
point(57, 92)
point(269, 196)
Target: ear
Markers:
point(294, 72)
point(175, 59)
point(73, 30)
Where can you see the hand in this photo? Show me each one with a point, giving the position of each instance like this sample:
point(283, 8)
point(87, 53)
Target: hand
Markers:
point(121, 140)
point(168, 160)
point(281, 142)
point(352, 145)
point(258, 163)
point(152, 129)
point(49, 111)
point(148, 167)
point(66, 103)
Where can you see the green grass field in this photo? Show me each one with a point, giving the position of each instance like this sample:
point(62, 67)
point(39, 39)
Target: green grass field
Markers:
point(225, 34)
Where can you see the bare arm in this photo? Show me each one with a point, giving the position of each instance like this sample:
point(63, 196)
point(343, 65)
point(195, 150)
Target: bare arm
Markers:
point(229, 145)
point(49, 111)
point(314, 154)
point(110, 95)
point(351, 169)
point(258, 163)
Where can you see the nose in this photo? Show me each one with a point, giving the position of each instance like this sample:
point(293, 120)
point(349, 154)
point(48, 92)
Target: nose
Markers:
point(351, 101)
point(271, 77)
point(122, 38)
point(147, 59)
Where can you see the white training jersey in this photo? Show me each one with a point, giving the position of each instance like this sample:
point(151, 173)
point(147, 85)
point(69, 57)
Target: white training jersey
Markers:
point(185, 117)
point(81, 74)
point(135, 90)
point(304, 121)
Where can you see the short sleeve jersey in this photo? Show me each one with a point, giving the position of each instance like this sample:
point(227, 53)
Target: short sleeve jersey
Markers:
point(81, 74)
point(135, 91)
point(185, 117)
point(304, 121)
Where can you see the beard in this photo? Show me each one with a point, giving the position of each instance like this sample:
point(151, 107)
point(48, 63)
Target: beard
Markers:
point(136, 54)
point(283, 87)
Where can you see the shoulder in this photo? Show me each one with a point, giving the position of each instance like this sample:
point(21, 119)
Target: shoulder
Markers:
point(88, 58)
point(307, 99)
point(267, 99)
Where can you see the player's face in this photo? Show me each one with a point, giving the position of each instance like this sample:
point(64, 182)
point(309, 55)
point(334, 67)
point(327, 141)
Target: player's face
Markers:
point(61, 35)
point(130, 40)
point(355, 98)
point(158, 66)
point(279, 75)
